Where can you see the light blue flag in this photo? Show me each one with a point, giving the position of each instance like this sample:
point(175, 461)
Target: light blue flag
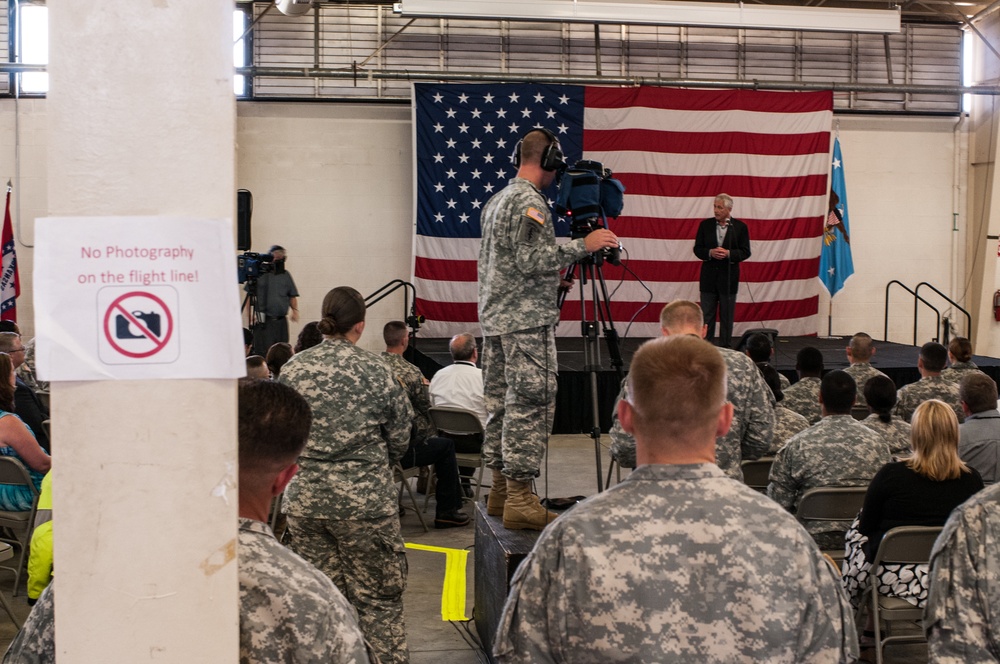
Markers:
point(835, 262)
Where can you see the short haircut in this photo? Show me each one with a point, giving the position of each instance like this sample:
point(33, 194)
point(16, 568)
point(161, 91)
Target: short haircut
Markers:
point(809, 360)
point(978, 391)
point(773, 380)
point(277, 355)
point(861, 346)
point(759, 347)
point(462, 347)
point(9, 326)
point(533, 145)
point(257, 367)
point(275, 247)
point(961, 349)
point(726, 199)
point(8, 341)
point(934, 440)
point(309, 336)
point(880, 395)
point(934, 355)
point(274, 423)
point(394, 333)
point(681, 314)
point(838, 391)
point(676, 385)
point(343, 308)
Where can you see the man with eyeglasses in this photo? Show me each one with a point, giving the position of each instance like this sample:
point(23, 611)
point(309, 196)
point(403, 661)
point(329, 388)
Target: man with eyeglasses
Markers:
point(27, 405)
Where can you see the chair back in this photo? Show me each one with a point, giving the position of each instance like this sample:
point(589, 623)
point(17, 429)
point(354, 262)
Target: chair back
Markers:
point(14, 473)
point(907, 545)
point(456, 421)
point(756, 472)
point(860, 412)
point(831, 503)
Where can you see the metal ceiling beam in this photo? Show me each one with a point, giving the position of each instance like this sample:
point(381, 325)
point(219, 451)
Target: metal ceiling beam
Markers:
point(629, 81)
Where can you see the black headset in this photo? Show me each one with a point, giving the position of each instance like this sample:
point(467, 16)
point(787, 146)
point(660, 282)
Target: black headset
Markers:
point(552, 159)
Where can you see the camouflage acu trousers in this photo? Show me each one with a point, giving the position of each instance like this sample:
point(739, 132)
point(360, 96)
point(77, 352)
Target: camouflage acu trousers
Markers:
point(519, 378)
point(367, 562)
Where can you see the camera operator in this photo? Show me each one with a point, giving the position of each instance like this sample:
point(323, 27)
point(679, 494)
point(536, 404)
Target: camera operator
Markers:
point(519, 263)
point(276, 295)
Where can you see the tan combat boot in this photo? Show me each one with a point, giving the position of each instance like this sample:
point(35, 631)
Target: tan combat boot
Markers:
point(498, 494)
point(523, 511)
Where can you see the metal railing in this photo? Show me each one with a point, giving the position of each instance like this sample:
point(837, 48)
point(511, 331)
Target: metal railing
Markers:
point(946, 332)
point(916, 301)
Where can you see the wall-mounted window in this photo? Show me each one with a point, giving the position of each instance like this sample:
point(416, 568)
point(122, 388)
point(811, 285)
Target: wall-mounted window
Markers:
point(241, 49)
point(31, 46)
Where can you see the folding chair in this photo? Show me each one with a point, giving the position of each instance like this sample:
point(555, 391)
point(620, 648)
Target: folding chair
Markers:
point(13, 473)
point(462, 426)
point(6, 553)
point(832, 503)
point(902, 545)
point(756, 473)
point(615, 468)
point(401, 475)
point(860, 412)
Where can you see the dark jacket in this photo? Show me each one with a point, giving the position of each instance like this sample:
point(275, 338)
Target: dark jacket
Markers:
point(29, 408)
point(715, 273)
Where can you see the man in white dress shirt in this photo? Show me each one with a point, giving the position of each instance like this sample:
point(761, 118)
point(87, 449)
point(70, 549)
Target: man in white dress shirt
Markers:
point(460, 385)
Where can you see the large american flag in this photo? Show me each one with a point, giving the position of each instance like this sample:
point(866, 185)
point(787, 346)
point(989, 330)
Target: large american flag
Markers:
point(674, 150)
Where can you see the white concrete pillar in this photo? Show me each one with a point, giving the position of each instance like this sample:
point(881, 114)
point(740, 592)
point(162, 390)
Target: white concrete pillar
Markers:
point(142, 121)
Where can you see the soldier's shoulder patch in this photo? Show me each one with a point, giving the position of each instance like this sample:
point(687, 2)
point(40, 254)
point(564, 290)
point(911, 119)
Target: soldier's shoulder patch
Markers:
point(535, 214)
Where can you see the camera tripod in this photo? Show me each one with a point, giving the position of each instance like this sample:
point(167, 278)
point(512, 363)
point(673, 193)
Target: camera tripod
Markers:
point(255, 317)
point(591, 272)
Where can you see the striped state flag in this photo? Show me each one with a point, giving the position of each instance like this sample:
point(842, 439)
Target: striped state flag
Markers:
point(10, 284)
point(674, 150)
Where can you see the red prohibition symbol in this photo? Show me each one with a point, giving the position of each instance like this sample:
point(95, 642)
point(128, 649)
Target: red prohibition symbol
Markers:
point(158, 341)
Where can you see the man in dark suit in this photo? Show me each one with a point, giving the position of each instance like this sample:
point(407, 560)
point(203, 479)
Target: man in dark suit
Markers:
point(722, 244)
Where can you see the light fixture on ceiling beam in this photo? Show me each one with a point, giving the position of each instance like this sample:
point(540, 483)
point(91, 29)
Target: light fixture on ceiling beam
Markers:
point(666, 12)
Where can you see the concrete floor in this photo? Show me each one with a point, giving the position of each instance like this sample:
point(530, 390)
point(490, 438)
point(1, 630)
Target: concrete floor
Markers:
point(571, 471)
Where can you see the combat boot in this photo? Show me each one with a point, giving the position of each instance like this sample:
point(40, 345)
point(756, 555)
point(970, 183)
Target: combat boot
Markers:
point(523, 511)
point(498, 495)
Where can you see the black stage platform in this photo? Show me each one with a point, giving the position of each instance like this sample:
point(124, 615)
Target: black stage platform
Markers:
point(898, 361)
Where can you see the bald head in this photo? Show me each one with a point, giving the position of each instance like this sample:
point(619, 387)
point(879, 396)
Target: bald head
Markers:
point(462, 348)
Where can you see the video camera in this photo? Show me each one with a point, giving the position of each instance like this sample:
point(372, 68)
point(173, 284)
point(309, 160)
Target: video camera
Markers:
point(250, 265)
point(588, 196)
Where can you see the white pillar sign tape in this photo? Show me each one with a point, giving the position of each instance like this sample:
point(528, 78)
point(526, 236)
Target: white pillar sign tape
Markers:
point(135, 298)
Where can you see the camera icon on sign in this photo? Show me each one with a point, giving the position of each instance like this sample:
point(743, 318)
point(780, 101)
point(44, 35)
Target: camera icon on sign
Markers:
point(150, 319)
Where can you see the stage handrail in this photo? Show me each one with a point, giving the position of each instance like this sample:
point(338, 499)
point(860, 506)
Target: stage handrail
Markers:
point(916, 300)
point(968, 316)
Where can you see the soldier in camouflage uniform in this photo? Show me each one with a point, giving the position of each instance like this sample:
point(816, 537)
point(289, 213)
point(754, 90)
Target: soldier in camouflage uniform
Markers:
point(787, 423)
point(342, 511)
point(519, 263)
point(289, 610)
point(761, 350)
point(859, 353)
point(753, 404)
point(959, 359)
point(803, 396)
point(961, 620)
point(880, 394)
point(678, 562)
point(930, 386)
point(839, 451)
point(426, 448)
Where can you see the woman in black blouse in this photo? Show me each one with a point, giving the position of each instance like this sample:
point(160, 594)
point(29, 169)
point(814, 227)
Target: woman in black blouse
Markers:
point(919, 491)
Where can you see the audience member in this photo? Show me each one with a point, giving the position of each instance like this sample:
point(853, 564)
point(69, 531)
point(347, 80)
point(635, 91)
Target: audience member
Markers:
point(760, 350)
point(309, 336)
point(786, 423)
point(979, 435)
point(17, 441)
point(961, 619)
point(930, 386)
point(342, 511)
point(426, 448)
point(803, 396)
point(277, 355)
point(960, 359)
point(705, 570)
point(839, 451)
point(27, 405)
point(257, 368)
point(289, 611)
point(753, 404)
point(40, 547)
point(859, 353)
point(26, 371)
point(460, 384)
point(920, 491)
point(880, 393)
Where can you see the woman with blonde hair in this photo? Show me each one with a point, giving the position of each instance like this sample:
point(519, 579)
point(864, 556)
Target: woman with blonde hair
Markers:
point(919, 491)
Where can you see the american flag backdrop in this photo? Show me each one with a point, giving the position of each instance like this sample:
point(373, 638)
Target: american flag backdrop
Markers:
point(674, 150)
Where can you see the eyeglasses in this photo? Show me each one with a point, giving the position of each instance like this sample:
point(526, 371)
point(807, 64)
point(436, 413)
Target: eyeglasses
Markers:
point(18, 350)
